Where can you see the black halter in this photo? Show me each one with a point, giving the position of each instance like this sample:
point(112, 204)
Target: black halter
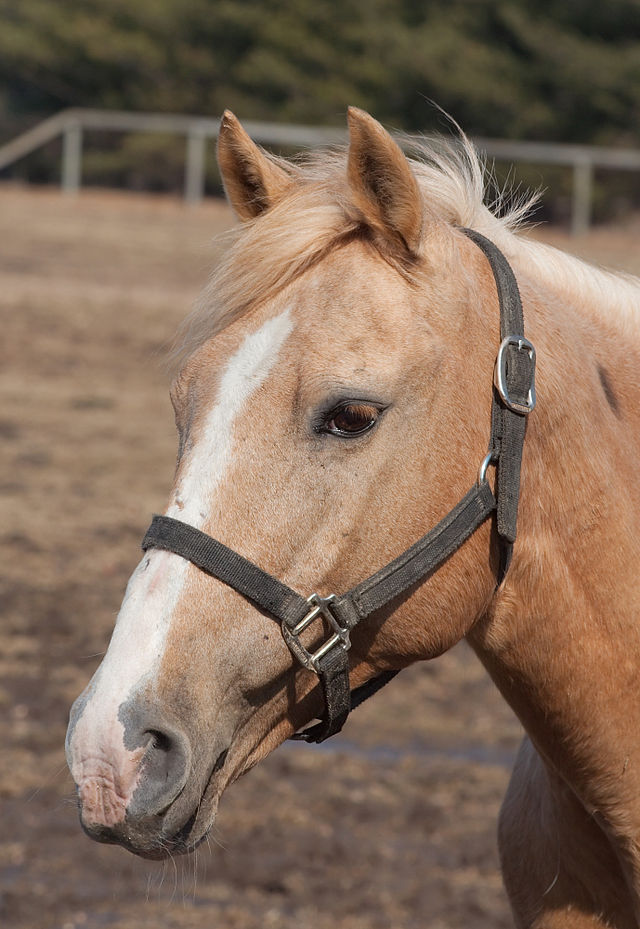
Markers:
point(513, 399)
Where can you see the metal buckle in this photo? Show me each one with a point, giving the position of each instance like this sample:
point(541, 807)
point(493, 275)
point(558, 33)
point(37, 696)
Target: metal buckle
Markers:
point(500, 374)
point(320, 606)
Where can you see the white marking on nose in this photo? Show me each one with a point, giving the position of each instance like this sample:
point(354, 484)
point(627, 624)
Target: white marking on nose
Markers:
point(153, 592)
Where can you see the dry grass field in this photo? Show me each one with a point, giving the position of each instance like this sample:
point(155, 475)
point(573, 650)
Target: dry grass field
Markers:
point(391, 825)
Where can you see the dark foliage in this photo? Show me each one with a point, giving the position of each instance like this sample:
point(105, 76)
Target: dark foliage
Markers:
point(566, 70)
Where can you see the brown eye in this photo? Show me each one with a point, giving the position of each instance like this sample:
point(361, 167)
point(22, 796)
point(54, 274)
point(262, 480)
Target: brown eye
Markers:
point(352, 419)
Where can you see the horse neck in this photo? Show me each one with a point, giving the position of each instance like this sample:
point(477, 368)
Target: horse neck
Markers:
point(561, 638)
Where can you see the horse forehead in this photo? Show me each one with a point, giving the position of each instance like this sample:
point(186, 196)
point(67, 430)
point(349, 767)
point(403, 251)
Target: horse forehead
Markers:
point(346, 298)
point(353, 277)
point(240, 354)
point(352, 309)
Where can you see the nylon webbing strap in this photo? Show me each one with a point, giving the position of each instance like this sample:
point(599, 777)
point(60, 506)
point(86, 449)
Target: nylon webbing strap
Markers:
point(227, 566)
point(333, 671)
point(410, 568)
point(285, 604)
point(425, 555)
point(324, 729)
point(507, 426)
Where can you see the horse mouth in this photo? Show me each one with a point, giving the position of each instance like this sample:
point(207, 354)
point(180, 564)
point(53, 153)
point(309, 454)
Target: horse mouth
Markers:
point(155, 837)
point(178, 829)
point(193, 832)
point(183, 842)
point(190, 835)
point(180, 826)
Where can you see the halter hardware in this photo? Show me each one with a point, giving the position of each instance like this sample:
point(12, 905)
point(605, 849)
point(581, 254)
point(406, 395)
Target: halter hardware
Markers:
point(513, 399)
point(320, 606)
point(489, 459)
point(500, 374)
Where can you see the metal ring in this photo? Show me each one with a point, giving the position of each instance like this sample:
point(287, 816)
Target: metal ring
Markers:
point(489, 458)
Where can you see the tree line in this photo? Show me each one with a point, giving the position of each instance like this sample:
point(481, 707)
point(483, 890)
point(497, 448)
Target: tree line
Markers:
point(566, 70)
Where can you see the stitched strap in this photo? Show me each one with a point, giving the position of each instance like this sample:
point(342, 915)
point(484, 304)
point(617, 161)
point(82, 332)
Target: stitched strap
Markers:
point(324, 729)
point(333, 671)
point(280, 601)
point(507, 426)
point(285, 604)
point(425, 555)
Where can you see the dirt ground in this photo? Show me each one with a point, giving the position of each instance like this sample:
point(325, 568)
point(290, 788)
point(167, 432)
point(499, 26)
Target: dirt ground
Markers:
point(392, 823)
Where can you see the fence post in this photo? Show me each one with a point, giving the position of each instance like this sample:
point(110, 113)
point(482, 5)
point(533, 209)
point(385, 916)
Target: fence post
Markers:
point(195, 165)
point(72, 157)
point(582, 195)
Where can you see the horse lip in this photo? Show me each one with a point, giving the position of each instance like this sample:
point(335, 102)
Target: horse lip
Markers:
point(217, 766)
point(147, 840)
point(178, 842)
point(165, 809)
point(154, 836)
point(181, 846)
point(178, 838)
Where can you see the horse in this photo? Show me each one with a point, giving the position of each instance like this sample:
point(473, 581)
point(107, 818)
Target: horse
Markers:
point(334, 395)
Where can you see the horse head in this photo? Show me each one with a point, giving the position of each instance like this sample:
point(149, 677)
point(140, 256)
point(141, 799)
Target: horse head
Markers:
point(333, 402)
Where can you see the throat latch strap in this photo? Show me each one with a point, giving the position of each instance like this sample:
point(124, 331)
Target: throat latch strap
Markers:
point(513, 399)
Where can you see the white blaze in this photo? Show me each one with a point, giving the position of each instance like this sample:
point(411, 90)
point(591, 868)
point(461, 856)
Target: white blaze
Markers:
point(139, 637)
point(246, 371)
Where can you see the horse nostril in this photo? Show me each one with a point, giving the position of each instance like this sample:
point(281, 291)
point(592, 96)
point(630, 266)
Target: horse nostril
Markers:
point(163, 771)
point(159, 741)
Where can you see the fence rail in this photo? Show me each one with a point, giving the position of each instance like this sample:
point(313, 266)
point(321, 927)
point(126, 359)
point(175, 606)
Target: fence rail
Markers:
point(72, 123)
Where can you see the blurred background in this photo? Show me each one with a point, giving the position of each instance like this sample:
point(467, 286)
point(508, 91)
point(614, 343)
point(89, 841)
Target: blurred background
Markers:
point(563, 71)
point(391, 825)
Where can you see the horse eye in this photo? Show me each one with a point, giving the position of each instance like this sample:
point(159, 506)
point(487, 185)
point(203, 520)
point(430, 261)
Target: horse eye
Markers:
point(352, 419)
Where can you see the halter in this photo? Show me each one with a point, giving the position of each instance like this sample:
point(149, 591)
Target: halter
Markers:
point(513, 399)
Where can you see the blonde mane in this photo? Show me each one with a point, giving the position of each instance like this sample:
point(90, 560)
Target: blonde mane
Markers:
point(268, 253)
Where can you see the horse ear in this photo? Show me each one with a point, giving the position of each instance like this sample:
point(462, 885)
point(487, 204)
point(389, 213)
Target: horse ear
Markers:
point(384, 187)
point(252, 182)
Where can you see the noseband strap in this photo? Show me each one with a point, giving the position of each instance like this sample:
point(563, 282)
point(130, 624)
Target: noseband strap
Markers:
point(513, 398)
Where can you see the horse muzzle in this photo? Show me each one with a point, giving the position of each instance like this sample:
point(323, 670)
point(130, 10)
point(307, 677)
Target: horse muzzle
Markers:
point(136, 783)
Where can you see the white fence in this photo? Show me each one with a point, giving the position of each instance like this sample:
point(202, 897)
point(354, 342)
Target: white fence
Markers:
point(70, 124)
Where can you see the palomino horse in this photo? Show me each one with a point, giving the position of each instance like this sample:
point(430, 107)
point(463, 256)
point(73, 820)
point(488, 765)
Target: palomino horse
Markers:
point(333, 403)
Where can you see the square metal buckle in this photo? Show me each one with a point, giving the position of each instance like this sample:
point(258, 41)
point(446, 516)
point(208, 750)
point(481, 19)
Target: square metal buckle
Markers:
point(320, 606)
point(500, 374)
